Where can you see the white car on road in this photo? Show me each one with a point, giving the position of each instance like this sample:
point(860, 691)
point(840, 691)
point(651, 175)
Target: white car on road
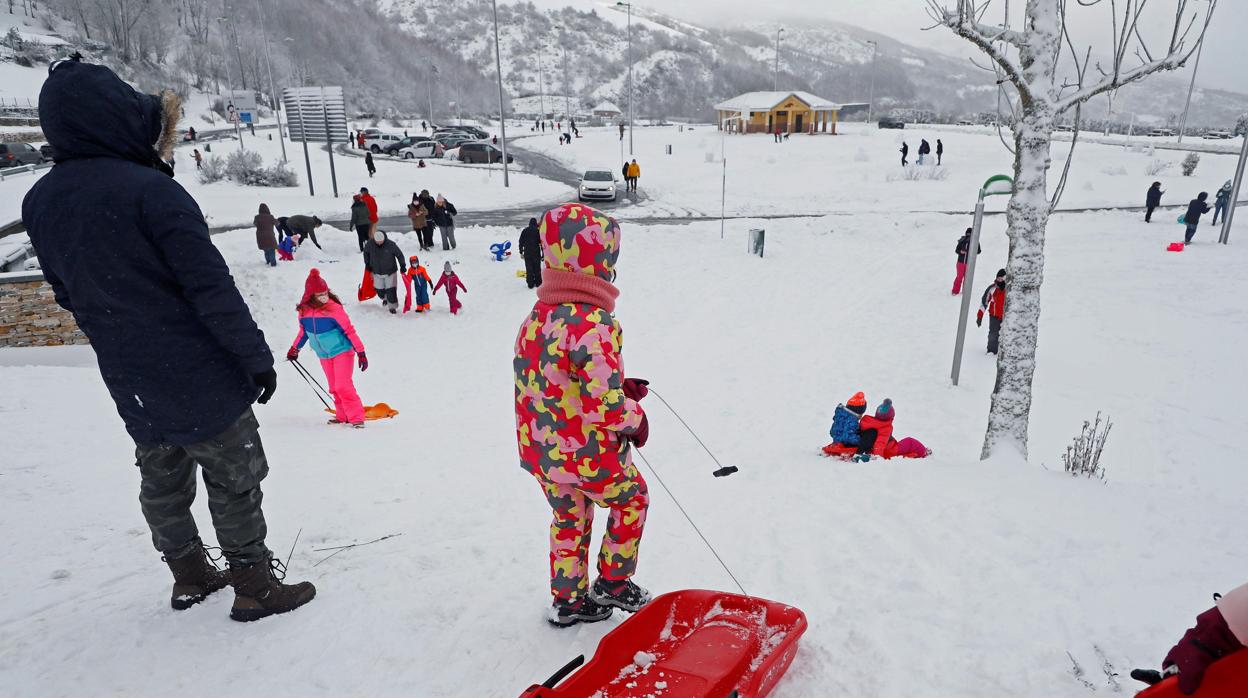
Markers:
point(377, 142)
point(597, 184)
point(424, 149)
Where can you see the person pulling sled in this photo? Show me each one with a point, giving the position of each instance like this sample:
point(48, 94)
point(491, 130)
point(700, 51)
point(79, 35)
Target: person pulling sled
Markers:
point(578, 418)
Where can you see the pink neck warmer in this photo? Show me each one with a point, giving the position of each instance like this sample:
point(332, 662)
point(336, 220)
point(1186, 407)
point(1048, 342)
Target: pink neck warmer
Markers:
point(559, 286)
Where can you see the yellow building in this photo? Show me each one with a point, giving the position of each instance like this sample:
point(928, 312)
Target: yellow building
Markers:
point(793, 112)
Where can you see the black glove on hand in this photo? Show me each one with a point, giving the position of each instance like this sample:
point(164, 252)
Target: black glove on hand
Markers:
point(266, 381)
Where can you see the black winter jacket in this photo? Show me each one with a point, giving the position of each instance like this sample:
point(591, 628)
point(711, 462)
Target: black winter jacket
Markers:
point(383, 259)
point(1195, 209)
point(1154, 197)
point(126, 250)
point(964, 246)
point(530, 244)
point(443, 216)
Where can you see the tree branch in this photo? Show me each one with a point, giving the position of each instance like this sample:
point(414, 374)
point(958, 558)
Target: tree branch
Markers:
point(962, 23)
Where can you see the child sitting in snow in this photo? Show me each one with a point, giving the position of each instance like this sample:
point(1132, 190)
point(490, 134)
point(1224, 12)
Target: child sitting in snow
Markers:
point(420, 283)
point(453, 286)
point(286, 248)
point(845, 431)
point(877, 437)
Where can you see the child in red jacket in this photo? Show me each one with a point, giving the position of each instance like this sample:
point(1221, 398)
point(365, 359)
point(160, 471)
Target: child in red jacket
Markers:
point(877, 437)
point(993, 301)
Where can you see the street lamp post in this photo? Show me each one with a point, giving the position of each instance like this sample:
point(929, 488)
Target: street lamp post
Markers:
point(268, 62)
point(775, 83)
point(875, 48)
point(541, 89)
point(502, 115)
point(1191, 86)
point(629, 6)
point(997, 185)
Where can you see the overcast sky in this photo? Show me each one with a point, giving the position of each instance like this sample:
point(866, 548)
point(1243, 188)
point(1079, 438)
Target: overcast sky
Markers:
point(1222, 64)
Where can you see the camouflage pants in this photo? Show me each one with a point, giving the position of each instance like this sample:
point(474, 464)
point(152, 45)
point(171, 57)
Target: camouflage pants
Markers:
point(233, 465)
point(628, 498)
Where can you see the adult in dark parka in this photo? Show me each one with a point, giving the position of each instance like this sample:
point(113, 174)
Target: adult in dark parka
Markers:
point(266, 240)
point(1152, 200)
point(176, 345)
point(531, 249)
point(1195, 209)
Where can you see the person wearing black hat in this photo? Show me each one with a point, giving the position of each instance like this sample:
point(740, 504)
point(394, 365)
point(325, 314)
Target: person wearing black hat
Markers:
point(531, 249)
point(993, 301)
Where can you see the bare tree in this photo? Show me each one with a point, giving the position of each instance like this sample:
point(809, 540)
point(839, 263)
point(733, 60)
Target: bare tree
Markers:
point(1029, 60)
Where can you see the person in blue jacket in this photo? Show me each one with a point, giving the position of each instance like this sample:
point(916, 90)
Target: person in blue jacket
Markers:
point(845, 430)
point(126, 251)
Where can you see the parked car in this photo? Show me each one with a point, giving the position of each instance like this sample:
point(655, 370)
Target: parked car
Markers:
point(597, 184)
point(450, 141)
point(377, 141)
point(1218, 135)
point(394, 148)
point(891, 122)
point(18, 154)
point(1066, 128)
point(46, 151)
point(1161, 132)
point(479, 133)
point(423, 149)
point(481, 153)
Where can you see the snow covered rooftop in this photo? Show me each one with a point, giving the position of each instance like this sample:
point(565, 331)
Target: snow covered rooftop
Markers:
point(765, 101)
point(607, 107)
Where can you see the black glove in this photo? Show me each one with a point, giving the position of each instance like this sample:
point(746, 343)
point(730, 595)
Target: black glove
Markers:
point(266, 381)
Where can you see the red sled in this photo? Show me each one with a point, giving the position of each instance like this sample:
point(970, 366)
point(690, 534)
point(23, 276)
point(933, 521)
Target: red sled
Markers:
point(1175, 247)
point(1226, 678)
point(693, 644)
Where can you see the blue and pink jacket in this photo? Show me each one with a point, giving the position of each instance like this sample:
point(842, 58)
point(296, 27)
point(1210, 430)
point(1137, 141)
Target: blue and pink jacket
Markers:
point(328, 330)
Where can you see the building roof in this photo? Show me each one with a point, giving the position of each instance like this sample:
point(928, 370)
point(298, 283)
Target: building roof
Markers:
point(607, 106)
point(766, 101)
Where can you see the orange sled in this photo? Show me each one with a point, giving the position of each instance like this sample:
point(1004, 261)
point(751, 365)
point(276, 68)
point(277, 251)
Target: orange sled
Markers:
point(1226, 678)
point(379, 411)
point(692, 644)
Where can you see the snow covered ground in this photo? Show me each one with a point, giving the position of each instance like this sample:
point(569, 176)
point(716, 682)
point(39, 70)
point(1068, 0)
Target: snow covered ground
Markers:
point(851, 172)
point(942, 577)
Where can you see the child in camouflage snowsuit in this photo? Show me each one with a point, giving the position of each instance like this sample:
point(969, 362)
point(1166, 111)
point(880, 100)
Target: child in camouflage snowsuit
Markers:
point(577, 416)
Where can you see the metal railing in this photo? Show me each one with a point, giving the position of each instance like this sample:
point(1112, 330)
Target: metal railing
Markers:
point(7, 172)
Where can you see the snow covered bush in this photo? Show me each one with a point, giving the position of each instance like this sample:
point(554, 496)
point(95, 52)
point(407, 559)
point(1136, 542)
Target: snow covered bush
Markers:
point(1189, 164)
point(915, 173)
point(1157, 167)
point(247, 168)
point(280, 174)
point(1083, 456)
point(213, 170)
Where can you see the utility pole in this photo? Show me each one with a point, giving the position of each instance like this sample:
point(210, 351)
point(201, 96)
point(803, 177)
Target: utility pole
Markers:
point(541, 89)
point(875, 49)
point(1191, 86)
point(502, 116)
point(629, 6)
point(775, 83)
point(268, 62)
point(1230, 204)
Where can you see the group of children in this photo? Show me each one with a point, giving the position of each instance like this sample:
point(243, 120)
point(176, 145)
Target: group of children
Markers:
point(858, 436)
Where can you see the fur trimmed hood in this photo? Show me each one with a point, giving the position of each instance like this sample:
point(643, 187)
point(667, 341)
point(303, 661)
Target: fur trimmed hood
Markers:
point(86, 111)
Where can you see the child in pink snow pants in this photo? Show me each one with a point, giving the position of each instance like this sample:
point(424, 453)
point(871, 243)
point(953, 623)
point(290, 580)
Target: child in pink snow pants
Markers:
point(324, 323)
point(453, 285)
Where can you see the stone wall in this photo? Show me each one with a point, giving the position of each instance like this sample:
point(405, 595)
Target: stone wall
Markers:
point(29, 315)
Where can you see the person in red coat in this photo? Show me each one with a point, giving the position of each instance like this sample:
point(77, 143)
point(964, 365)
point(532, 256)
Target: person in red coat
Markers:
point(371, 203)
point(876, 437)
point(993, 302)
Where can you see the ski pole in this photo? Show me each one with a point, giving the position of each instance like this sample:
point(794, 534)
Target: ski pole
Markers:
point(303, 373)
point(723, 470)
point(690, 520)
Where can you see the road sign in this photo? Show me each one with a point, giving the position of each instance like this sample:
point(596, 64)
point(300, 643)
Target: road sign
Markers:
point(315, 113)
point(246, 117)
point(243, 100)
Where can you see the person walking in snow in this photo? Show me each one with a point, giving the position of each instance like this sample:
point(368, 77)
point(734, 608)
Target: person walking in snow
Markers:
point(940, 151)
point(993, 301)
point(323, 323)
point(621, 130)
point(531, 249)
point(453, 285)
point(266, 240)
point(368, 162)
point(578, 418)
point(360, 219)
point(418, 215)
point(199, 159)
point(1152, 200)
point(426, 200)
point(963, 251)
point(628, 181)
point(634, 174)
point(1195, 209)
point(176, 345)
point(925, 149)
point(421, 283)
point(905, 153)
point(777, 133)
point(384, 260)
point(373, 216)
point(1221, 200)
point(444, 213)
point(1219, 632)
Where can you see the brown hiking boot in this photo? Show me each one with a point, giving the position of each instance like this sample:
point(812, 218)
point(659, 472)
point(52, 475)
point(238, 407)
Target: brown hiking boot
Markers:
point(194, 578)
point(259, 592)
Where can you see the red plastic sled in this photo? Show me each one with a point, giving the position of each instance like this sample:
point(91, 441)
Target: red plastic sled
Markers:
point(1227, 678)
point(689, 644)
point(1175, 247)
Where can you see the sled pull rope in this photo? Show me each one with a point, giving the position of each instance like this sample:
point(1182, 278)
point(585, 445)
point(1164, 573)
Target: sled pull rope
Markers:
point(311, 381)
point(691, 523)
point(723, 470)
